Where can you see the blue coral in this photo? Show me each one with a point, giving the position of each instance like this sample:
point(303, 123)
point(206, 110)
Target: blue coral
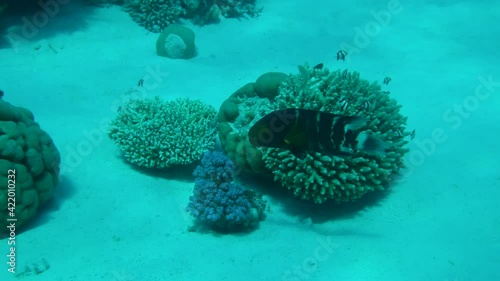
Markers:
point(219, 202)
point(215, 166)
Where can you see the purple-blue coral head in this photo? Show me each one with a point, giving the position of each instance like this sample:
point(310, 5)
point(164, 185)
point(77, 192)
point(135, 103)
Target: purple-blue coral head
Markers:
point(226, 206)
point(215, 166)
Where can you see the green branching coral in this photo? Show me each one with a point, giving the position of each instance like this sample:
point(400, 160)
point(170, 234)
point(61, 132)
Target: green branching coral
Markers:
point(317, 177)
point(154, 15)
point(157, 134)
point(321, 177)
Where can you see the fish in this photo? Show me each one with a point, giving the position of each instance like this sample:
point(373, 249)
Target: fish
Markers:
point(345, 73)
point(318, 66)
point(412, 135)
point(341, 55)
point(344, 104)
point(1, 94)
point(303, 130)
point(364, 106)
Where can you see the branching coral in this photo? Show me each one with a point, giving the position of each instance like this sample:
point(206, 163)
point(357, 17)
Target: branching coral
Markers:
point(157, 134)
point(154, 15)
point(318, 177)
point(209, 11)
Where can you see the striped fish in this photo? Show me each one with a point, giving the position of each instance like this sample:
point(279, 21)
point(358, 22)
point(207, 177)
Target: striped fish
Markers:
point(304, 130)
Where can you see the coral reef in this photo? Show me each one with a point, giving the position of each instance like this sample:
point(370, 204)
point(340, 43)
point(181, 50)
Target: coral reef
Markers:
point(317, 177)
point(221, 203)
point(29, 164)
point(176, 42)
point(237, 113)
point(203, 12)
point(154, 15)
point(158, 134)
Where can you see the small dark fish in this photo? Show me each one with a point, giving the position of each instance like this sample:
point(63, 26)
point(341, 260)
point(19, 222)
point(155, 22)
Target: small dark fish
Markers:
point(140, 83)
point(345, 74)
point(1, 94)
point(344, 104)
point(387, 80)
point(341, 55)
point(364, 106)
point(318, 66)
point(304, 130)
point(412, 135)
point(119, 108)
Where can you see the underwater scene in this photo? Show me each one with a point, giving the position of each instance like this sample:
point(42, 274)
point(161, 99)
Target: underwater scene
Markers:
point(249, 140)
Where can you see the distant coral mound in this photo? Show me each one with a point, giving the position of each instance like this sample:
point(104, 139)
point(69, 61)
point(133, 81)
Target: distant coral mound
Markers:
point(155, 15)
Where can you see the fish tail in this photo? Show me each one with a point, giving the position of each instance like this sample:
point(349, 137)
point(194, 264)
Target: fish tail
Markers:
point(371, 144)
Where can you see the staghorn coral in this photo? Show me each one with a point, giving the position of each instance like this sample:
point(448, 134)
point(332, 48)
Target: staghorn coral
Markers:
point(29, 164)
point(158, 134)
point(320, 177)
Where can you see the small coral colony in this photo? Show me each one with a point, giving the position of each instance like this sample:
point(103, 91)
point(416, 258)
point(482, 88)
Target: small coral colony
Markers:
point(322, 135)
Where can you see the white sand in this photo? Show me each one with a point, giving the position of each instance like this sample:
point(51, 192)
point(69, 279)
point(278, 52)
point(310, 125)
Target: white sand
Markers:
point(112, 222)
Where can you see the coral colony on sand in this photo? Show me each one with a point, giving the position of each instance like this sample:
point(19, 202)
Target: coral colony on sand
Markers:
point(155, 15)
point(153, 133)
point(219, 202)
point(317, 176)
point(29, 165)
point(176, 42)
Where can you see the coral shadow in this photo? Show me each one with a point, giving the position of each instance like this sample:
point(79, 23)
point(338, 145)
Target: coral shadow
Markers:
point(318, 213)
point(28, 20)
point(63, 192)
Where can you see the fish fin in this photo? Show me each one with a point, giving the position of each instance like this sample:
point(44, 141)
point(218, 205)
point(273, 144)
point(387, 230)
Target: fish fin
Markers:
point(371, 144)
point(356, 123)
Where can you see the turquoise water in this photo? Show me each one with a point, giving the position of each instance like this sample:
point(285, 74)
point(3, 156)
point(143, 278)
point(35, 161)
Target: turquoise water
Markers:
point(75, 66)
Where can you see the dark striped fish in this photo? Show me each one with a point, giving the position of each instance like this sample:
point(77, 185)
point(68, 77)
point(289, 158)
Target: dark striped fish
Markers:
point(304, 130)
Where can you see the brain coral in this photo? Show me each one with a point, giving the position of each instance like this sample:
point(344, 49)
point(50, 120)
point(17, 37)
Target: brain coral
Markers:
point(317, 177)
point(157, 134)
point(29, 162)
